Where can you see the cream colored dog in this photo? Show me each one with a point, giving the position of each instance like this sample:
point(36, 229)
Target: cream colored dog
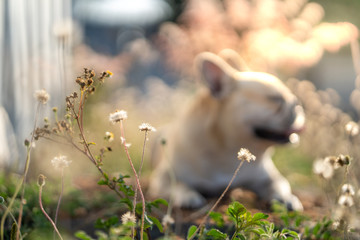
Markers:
point(238, 109)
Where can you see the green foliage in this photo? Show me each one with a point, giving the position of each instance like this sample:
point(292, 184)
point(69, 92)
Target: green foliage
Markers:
point(245, 226)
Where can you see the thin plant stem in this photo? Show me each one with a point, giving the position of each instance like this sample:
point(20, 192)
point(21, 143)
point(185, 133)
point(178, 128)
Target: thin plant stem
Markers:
point(26, 170)
point(139, 174)
point(13, 218)
point(136, 178)
point(218, 200)
point(21, 183)
point(60, 197)
point(46, 215)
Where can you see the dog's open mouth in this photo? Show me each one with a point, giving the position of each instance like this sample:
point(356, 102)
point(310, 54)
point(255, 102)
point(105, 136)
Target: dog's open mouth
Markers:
point(279, 137)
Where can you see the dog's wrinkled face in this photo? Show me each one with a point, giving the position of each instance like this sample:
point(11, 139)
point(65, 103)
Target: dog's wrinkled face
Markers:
point(268, 107)
point(266, 110)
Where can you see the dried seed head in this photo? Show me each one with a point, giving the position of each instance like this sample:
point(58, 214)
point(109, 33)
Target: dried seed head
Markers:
point(323, 168)
point(128, 217)
point(147, 127)
point(348, 189)
point(117, 116)
point(352, 129)
point(60, 162)
point(42, 96)
point(245, 154)
point(346, 200)
point(343, 160)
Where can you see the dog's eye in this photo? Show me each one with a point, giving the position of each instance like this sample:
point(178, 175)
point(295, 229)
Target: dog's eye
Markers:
point(278, 100)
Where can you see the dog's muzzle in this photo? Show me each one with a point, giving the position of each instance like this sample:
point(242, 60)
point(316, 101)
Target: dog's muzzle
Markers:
point(296, 125)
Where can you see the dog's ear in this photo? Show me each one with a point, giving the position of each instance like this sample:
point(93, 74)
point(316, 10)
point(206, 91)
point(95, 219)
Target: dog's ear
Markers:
point(216, 73)
point(234, 59)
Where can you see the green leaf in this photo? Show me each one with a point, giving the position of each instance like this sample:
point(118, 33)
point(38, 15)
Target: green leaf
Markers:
point(259, 216)
point(156, 203)
point(236, 209)
point(218, 218)
point(128, 202)
point(191, 231)
point(242, 237)
point(82, 235)
point(216, 234)
point(157, 223)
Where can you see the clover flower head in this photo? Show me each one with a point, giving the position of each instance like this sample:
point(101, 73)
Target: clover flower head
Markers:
point(146, 127)
point(245, 154)
point(117, 116)
point(42, 96)
point(128, 217)
point(60, 162)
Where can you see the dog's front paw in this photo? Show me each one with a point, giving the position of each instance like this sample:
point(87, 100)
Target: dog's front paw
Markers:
point(187, 198)
point(291, 202)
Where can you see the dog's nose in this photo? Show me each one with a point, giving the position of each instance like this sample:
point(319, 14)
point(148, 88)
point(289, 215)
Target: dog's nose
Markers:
point(299, 119)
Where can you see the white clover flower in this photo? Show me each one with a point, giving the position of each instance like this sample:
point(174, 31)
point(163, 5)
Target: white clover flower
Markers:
point(245, 154)
point(146, 127)
point(109, 136)
point(42, 96)
point(352, 128)
point(60, 162)
point(117, 116)
point(346, 200)
point(128, 217)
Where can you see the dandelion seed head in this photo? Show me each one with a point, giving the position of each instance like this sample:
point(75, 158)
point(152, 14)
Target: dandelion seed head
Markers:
point(146, 127)
point(42, 96)
point(245, 154)
point(60, 162)
point(346, 200)
point(117, 116)
point(128, 217)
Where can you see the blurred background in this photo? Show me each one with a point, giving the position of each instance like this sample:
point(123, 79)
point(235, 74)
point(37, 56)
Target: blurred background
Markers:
point(149, 46)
